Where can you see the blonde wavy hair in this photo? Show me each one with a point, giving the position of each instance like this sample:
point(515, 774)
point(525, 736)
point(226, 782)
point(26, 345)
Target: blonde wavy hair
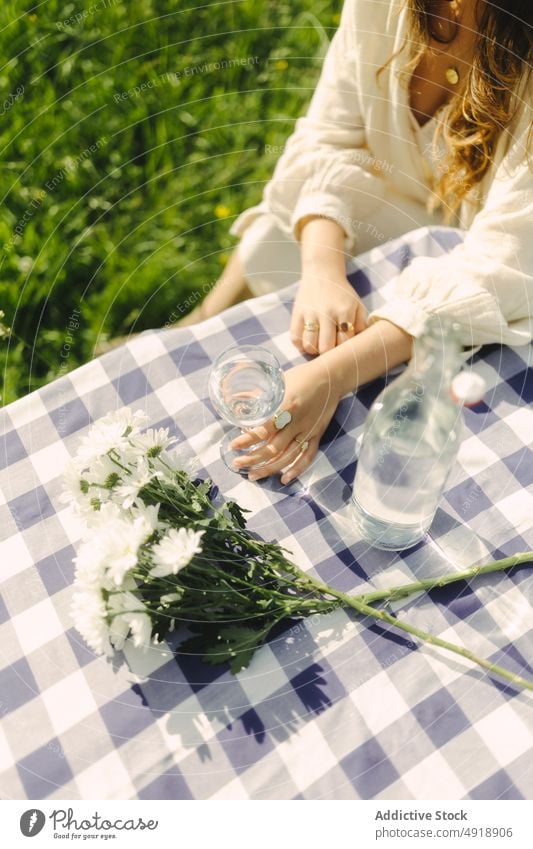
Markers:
point(487, 100)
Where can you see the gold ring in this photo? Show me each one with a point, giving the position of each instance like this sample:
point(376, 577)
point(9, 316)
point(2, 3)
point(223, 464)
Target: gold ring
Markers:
point(303, 443)
point(345, 327)
point(281, 419)
point(311, 326)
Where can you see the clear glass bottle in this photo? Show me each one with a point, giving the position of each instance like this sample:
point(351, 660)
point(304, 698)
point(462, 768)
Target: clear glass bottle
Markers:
point(410, 442)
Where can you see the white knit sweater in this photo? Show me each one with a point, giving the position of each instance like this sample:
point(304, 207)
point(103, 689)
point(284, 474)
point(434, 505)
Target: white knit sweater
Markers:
point(356, 150)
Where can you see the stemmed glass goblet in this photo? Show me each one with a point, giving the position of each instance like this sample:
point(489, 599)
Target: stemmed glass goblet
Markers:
point(246, 387)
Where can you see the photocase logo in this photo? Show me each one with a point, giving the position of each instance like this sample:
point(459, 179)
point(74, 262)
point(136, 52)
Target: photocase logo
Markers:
point(32, 822)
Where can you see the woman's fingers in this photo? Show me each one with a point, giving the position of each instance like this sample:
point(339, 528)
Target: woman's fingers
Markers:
point(328, 334)
point(324, 304)
point(252, 437)
point(302, 462)
point(321, 334)
point(296, 329)
point(314, 333)
point(305, 339)
point(276, 439)
point(297, 446)
point(345, 330)
point(305, 329)
point(310, 334)
point(361, 318)
point(267, 453)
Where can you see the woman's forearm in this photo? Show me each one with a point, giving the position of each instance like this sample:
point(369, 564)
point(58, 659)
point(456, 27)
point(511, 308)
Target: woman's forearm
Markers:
point(368, 355)
point(322, 247)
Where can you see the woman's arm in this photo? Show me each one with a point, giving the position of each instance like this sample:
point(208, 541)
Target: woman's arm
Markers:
point(313, 392)
point(485, 284)
point(328, 182)
point(325, 297)
point(326, 168)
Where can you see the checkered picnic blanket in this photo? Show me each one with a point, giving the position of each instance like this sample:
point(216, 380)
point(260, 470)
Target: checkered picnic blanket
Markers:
point(332, 708)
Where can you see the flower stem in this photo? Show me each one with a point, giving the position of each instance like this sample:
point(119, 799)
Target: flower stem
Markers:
point(362, 605)
point(436, 641)
point(405, 590)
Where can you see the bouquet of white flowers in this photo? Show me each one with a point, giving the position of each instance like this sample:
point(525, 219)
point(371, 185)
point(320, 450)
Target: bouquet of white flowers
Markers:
point(161, 549)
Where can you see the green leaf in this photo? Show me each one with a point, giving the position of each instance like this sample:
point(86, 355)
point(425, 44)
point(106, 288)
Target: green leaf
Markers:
point(237, 513)
point(234, 644)
point(203, 489)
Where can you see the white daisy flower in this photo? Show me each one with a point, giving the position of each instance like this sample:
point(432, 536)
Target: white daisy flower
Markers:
point(175, 551)
point(110, 432)
point(128, 491)
point(129, 616)
point(105, 471)
point(178, 460)
point(111, 550)
point(121, 540)
point(108, 513)
point(150, 514)
point(90, 565)
point(131, 421)
point(139, 625)
point(119, 628)
point(141, 629)
point(152, 442)
point(89, 613)
point(75, 493)
point(86, 489)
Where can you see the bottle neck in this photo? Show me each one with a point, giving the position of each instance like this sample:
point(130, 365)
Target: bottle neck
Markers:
point(435, 362)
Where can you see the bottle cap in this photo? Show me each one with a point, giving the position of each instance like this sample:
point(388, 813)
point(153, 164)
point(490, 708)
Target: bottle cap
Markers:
point(468, 388)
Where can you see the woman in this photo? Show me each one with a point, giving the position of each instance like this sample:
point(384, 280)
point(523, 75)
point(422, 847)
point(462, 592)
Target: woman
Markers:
point(448, 118)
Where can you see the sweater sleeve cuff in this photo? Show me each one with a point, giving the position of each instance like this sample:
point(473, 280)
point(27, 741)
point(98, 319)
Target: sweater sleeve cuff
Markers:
point(325, 205)
point(408, 315)
point(243, 221)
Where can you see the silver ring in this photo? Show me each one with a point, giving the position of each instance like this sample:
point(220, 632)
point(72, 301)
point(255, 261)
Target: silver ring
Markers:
point(281, 419)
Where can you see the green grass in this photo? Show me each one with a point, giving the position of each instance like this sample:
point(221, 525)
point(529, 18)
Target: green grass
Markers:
point(123, 204)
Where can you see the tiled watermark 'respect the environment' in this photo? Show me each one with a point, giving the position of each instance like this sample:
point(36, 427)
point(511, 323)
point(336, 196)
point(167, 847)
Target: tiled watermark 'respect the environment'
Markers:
point(80, 17)
point(175, 77)
point(70, 165)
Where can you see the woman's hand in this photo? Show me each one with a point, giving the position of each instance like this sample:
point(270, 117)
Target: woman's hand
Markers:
point(311, 397)
point(327, 312)
point(313, 391)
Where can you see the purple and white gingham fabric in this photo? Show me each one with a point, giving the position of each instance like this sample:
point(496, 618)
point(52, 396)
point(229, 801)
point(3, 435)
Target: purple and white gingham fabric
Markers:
point(333, 708)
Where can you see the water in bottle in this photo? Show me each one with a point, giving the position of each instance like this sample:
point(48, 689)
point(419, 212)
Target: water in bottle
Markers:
point(410, 441)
